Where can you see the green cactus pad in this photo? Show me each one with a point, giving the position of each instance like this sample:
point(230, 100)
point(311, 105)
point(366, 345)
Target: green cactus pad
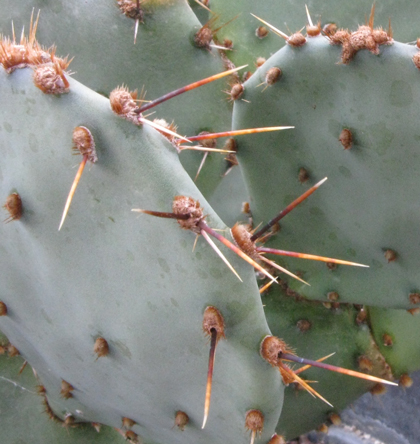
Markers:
point(395, 333)
point(368, 205)
point(291, 17)
point(315, 331)
point(23, 418)
point(132, 279)
point(162, 60)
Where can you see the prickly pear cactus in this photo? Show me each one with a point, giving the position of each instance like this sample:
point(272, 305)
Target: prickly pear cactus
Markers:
point(365, 209)
point(111, 311)
point(127, 300)
point(252, 39)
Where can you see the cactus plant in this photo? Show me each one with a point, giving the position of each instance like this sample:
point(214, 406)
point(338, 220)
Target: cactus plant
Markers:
point(353, 173)
point(109, 309)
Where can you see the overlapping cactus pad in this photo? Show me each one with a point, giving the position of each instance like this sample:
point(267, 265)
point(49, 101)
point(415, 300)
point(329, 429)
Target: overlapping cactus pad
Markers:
point(130, 279)
point(368, 205)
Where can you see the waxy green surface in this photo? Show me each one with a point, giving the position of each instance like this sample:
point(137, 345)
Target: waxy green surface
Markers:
point(369, 203)
point(132, 279)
